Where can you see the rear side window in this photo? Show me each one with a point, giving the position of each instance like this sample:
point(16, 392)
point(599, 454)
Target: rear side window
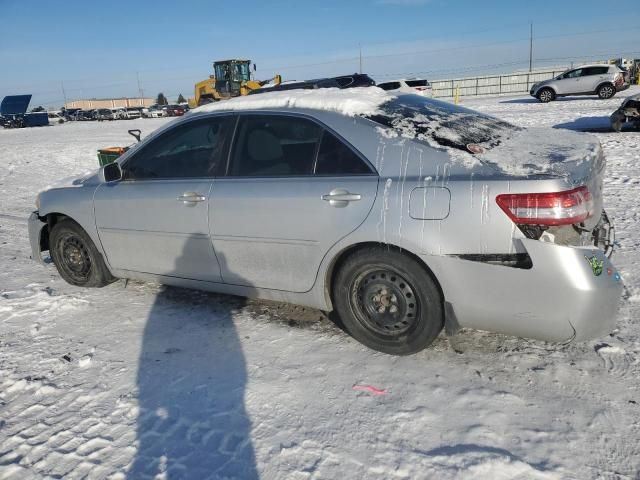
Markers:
point(417, 83)
point(389, 85)
point(191, 150)
point(275, 146)
point(594, 71)
point(336, 158)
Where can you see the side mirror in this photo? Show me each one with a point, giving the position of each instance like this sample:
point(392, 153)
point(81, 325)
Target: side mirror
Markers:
point(112, 172)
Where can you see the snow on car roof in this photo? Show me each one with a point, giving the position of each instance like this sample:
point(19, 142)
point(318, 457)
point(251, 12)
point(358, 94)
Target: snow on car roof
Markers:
point(350, 102)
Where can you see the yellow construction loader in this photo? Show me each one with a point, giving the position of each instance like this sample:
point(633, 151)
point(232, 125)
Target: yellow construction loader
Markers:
point(231, 78)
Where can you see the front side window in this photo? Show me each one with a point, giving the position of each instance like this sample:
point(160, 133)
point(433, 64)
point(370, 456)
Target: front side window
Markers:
point(191, 150)
point(573, 73)
point(270, 145)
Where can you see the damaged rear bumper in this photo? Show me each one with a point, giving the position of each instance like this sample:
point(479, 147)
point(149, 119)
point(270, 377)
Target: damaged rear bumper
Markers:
point(567, 293)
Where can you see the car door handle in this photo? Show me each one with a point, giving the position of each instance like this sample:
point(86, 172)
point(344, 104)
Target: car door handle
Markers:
point(191, 198)
point(340, 197)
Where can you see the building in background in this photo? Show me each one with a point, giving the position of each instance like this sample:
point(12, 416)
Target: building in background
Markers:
point(109, 103)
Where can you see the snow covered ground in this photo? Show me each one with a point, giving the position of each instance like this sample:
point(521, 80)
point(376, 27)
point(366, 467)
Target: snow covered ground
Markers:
point(138, 380)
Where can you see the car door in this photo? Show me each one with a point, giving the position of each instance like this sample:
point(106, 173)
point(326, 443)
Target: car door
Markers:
point(592, 77)
point(155, 220)
point(292, 190)
point(569, 84)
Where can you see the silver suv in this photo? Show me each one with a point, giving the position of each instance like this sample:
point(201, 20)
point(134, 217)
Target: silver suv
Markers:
point(601, 80)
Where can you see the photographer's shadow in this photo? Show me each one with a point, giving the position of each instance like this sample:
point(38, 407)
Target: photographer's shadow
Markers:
point(192, 422)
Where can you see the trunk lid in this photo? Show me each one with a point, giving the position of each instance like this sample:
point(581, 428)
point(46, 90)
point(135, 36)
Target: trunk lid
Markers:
point(553, 153)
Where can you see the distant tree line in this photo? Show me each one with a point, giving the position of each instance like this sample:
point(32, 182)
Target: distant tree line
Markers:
point(162, 100)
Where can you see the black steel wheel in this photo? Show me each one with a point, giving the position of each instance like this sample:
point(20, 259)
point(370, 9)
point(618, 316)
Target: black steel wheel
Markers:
point(76, 257)
point(384, 301)
point(388, 301)
point(606, 91)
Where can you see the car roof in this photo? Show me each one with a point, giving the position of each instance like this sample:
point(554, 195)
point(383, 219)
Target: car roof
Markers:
point(592, 65)
point(348, 102)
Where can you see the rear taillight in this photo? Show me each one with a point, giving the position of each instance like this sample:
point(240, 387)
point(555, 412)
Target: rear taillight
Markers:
point(618, 79)
point(557, 208)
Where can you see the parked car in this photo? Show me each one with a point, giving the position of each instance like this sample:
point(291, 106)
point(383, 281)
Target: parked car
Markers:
point(84, 116)
point(343, 81)
point(132, 112)
point(154, 111)
point(55, 118)
point(628, 112)
point(601, 80)
point(102, 114)
point(69, 113)
point(174, 111)
point(402, 213)
point(413, 85)
point(119, 113)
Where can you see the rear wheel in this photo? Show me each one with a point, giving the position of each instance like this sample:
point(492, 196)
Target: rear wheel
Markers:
point(75, 256)
point(546, 95)
point(606, 91)
point(388, 301)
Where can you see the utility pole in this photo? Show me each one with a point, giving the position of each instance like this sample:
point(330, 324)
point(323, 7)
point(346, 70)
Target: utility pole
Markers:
point(360, 47)
point(531, 46)
point(64, 94)
point(140, 91)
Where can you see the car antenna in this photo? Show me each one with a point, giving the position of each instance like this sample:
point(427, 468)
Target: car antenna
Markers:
point(135, 133)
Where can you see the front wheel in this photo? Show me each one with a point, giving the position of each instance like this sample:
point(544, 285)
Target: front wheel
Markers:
point(75, 256)
point(388, 301)
point(606, 91)
point(546, 95)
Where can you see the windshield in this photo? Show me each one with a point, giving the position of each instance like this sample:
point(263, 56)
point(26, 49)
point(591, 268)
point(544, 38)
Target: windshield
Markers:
point(446, 124)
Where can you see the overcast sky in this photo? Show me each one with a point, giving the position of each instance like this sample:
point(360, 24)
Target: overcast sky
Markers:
point(102, 49)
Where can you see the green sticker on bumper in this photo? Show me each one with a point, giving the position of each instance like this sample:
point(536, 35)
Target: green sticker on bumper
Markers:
point(596, 264)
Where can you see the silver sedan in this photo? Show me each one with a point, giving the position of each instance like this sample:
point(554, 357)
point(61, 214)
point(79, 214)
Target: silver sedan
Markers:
point(404, 214)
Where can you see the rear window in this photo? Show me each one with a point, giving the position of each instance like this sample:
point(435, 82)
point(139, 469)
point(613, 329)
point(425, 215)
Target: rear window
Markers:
point(446, 124)
point(417, 83)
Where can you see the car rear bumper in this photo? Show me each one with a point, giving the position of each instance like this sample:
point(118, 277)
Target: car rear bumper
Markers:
point(35, 236)
point(560, 298)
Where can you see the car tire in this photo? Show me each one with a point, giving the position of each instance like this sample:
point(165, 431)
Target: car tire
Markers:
point(606, 91)
point(76, 258)
point(546, 95)
point(388, 301)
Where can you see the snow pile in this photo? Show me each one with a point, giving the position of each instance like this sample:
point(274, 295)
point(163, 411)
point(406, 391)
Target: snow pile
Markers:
point(350, 102)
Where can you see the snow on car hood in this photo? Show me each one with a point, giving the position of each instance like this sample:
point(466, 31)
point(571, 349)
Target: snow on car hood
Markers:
point(548, 151)
point(350, 102)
